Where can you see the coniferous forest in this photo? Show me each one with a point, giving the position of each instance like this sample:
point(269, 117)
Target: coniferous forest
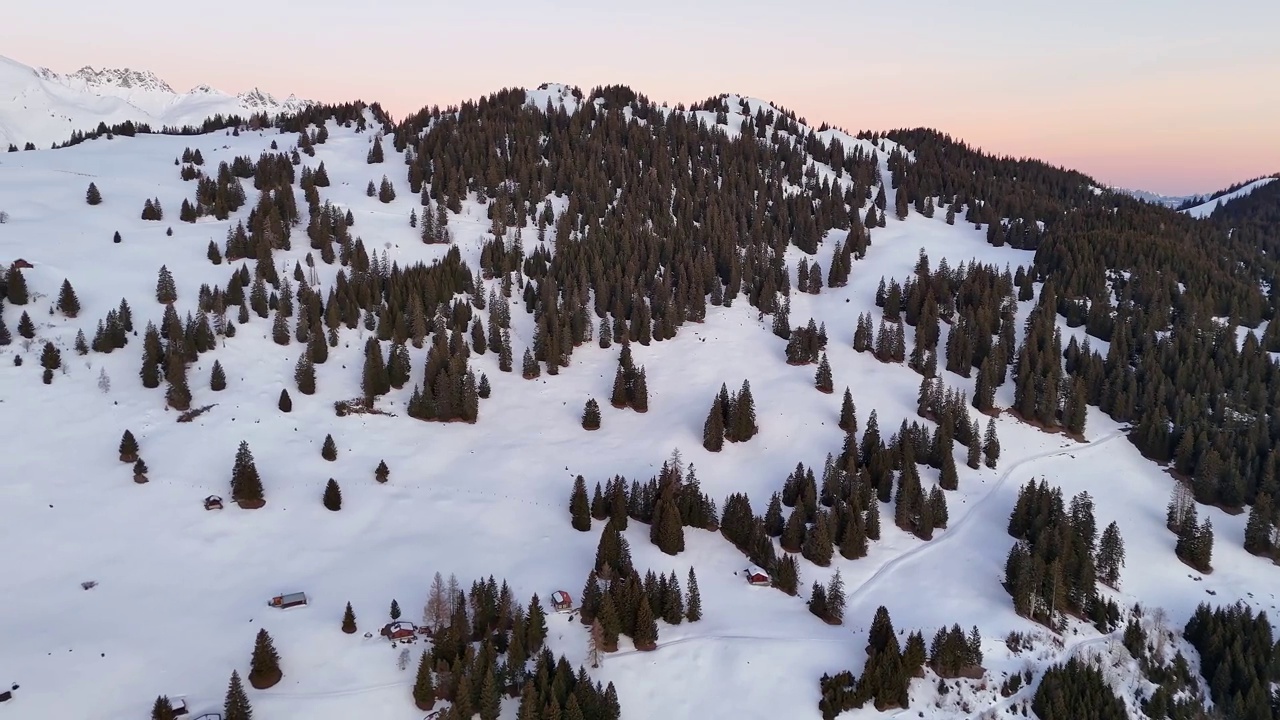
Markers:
point(648, 219)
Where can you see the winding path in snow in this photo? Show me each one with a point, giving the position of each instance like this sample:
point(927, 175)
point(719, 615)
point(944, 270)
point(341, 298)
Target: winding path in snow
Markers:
point(957, 527)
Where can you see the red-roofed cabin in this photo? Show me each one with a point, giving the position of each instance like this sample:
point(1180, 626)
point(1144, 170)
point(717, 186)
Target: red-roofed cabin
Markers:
point(561, 601)
point(756, 576)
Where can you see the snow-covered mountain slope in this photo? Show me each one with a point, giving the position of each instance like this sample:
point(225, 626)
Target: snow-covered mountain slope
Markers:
point(181, 592)
point(42, 107)
point(1206, 208)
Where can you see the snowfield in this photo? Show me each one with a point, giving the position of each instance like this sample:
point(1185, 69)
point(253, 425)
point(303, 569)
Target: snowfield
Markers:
point(181, 592)
point(42, 107)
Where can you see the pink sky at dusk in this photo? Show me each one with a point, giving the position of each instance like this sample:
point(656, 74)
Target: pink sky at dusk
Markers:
point(1175, 102)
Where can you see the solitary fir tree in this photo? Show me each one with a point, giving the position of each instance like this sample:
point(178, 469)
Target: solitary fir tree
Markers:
point(139, 471)
point(128, 448)
point(329, 450)
point(382, 472)
point(246, 485)
point(693, 598)
point(166, 289)
point(264, 667)
point(848, 413)
point(348, 620)
point(822, 379)
point(217, 378)
point(332, 495)
point(591, 415)
point(395, 610)
point(92, 195)
point(286, 403)
point(68, 303)
point(26, 328)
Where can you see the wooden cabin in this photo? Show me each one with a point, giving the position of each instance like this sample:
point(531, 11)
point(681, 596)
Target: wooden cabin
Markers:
point(399, 630)
point(561, 601)
point(756, 576)
point(288, 600)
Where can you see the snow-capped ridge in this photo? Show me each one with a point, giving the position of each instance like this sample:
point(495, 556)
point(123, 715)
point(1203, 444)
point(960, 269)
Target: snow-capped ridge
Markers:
point(44, 107)
point(1206, 208)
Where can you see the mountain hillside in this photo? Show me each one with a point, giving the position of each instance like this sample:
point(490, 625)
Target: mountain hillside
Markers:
point(805, 424)
point(41, 107)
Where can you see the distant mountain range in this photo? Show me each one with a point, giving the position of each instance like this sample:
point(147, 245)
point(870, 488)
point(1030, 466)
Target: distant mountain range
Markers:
point(43, 107)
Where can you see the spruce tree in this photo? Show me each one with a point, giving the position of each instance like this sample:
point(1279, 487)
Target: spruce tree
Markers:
point(848, 413)
point(693, 598)
point(286, 403)
point(1110, 556)
point(646, 633)
point(424, 691)
point(139, 471)
point(822, 379)
point(591, 415)
point(1260, 528)
point(743, 418)
point(16, 286)
point(246, 485)
point(579, 506)
point(332, 496)
point(68, 303)
point(382, 473)
point(348, 620)
point(217, 378)
point(128, 448)
point(304, 374)
point(264, 667)
point(713, 428)
point(166, 288)
point(93, 196)
point(991, 445)
point(26, 328)
point(395, 610)
point(329, 450)
point(236, 705)
point(162, 709)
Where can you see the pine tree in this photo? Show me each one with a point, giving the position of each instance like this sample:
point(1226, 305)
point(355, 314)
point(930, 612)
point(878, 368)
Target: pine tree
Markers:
point(348, 620)
point(693, 604)
point(246, 485)
point(743, 420)
point(26, 328)
point(139, 471)
point(217, 378)
point(579, 506)
point(1110, 556)
point(835, 599)
point(848, 413)
point(128, 448)
point(329, 450)
point(332, 496)
point(68, 303)
point(991, 445)
point(236, 705)
point(395, 610)
point(822, 379)
point(304, 373)
point(1260, 528)
point(713, 428)
point(166, 289)
point(382, 473)
point(162, 709)
point(286, 403)
point(591, 415)
point(16, 286)
point(646, 633)
point(92, 195)
point(424, 691)
point(264, 668)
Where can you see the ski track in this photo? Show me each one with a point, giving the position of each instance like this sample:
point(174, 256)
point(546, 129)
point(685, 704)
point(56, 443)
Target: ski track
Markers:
point(964, 521)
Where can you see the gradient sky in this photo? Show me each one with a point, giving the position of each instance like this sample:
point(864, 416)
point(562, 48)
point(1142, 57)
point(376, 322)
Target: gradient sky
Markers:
point(1172, 96)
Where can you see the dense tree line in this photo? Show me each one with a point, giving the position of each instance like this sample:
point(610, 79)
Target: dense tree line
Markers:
point(1237, 659)
point(1054, 566)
